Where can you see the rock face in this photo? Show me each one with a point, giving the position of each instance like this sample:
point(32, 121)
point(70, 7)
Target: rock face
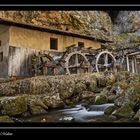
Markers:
point(123, 27)
point(126, 29)
point(94, 23)
point(128, 21)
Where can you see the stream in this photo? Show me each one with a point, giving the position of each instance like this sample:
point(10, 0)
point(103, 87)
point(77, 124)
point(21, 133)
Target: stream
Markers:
point(77, 113)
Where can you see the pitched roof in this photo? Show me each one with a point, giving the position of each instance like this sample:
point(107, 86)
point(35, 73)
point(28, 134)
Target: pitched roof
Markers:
point(46, 29)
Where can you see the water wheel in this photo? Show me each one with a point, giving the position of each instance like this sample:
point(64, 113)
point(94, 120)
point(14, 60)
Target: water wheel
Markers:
point(76, 62)
point(105, 61)
point(48, 64)
point(43, 64)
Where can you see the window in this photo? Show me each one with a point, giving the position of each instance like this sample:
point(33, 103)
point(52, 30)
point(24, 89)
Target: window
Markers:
point(1, 56)
point(80, 44)
point(53, 43)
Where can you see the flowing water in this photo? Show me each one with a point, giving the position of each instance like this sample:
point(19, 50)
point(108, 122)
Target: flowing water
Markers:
point(78, 113)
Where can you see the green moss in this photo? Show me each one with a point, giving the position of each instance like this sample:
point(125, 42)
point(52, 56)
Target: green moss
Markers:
point(124, 111)
point(5, 119)
point(101, 99)
point(73, 100)
point(91, 100)
point(14, 105)
point(35, 110)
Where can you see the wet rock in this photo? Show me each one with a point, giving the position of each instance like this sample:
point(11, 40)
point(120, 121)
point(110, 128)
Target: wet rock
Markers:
point(113, 118)
point(13, 106)
point(43, 120)
point(91, 100)
point(6, 119)
point(137, 115)
point(73, 101)
point(110, 109)
point(124, 111)
point(66, 119)
point(36, 110)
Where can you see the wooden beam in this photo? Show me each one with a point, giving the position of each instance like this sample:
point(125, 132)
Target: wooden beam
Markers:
point(133, 66)
point(135, 63)
point(127, 62)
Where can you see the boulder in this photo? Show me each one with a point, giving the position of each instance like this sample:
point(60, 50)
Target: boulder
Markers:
point(36, 110)
point(101, 99)
point(124, 111)
point(73, 101)
point(101, 81)
point(13, 106)
point(53, 101)
point(67, 88)
point(36, 105)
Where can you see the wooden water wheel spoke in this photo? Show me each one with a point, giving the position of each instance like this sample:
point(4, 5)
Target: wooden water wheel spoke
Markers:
point(74, 66)
point(104, 61)
point(76, 60)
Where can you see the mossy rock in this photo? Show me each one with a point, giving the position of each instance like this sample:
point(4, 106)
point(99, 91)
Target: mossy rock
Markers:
point(53, 101)
point(137, 115)
point(101, 81)
point(86, 94)
point(73, 100)
point(67, 89)
point(111, 98)
point(13, 106)
point(91, 100)
point(111, 79)
point(79, 87)
point(6, 119)
point(110, 109)
point(124, 111)
point(101, 99)
point(92, 86)
point(36, 110)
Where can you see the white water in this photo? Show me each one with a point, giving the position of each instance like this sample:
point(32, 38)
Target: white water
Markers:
point(80, 114)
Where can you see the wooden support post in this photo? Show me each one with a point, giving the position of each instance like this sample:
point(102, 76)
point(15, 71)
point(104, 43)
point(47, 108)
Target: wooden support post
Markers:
point(133, 66)
point(127, 61)
point(135, 63)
